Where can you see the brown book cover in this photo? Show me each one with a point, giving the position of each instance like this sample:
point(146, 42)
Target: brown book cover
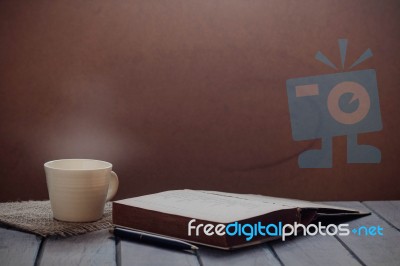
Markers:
point(202, 217)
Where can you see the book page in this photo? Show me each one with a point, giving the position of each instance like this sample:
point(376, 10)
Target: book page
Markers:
point(203, 205)
point(282, 201)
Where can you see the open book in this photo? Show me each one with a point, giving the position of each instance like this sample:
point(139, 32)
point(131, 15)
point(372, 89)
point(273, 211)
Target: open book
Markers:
point(218, 219)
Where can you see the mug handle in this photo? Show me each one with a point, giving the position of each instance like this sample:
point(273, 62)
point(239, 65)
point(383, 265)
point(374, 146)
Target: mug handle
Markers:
point(113, 186)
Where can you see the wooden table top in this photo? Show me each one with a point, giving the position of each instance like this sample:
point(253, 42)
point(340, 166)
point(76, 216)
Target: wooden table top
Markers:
point(101, 248)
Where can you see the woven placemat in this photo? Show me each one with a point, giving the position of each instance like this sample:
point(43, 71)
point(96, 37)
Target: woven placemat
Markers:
point(36, 217)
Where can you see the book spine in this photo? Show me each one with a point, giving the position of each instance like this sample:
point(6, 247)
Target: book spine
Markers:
point(162, 224)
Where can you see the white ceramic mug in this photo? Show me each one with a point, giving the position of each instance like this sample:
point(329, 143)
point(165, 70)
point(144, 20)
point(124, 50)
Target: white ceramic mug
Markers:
point(79, 188)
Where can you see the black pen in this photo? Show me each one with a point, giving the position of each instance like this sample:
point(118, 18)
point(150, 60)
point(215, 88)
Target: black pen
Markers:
point(152, 239)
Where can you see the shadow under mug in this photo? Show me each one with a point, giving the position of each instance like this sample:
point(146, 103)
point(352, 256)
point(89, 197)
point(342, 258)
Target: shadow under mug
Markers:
point(79, 188)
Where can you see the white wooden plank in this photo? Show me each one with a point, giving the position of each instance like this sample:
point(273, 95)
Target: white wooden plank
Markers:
point(313, 250)
point(257, 255)
point(97, 248)
point(133, 253)
point(18, 248)
point(388, 210)
point(372, 250)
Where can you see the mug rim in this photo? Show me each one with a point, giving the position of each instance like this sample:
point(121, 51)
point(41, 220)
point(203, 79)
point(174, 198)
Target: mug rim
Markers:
point(47, 165)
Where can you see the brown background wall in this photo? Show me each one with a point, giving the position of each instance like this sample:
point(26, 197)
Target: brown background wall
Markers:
point(187, 94)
